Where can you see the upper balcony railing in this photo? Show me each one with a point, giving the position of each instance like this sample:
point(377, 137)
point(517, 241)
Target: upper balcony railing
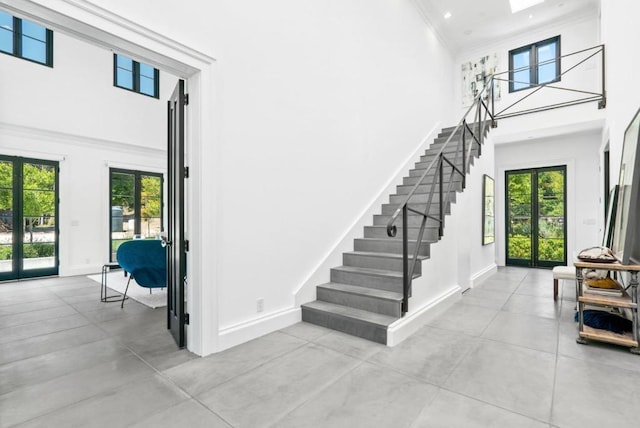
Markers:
point(575, 95)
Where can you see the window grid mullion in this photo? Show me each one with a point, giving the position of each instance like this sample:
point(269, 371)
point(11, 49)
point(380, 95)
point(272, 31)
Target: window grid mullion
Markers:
point(136, 76)
point(17, 37)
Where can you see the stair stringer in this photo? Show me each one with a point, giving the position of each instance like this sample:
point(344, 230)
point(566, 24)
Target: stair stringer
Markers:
point(320, 274)
point(452, 265)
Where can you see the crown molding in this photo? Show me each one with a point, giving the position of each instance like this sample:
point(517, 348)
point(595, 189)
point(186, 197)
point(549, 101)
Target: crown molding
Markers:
point(31, 132)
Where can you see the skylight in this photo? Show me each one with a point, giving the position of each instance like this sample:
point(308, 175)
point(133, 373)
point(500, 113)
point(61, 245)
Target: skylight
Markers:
point(518, 5)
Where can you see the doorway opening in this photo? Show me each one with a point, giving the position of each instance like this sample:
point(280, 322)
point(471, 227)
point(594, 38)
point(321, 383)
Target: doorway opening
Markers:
point(536, 217)
point(28, 218)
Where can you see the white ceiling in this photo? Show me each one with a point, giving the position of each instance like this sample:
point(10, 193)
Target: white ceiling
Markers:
point(474, 22)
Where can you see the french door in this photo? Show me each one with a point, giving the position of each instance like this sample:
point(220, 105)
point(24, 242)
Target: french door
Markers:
point(136, 207)
point(536, 232)
point(28, 218)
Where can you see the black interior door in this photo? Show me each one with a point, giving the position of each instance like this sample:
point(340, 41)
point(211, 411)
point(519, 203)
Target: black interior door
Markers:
point(176, 245)
point(28, 218)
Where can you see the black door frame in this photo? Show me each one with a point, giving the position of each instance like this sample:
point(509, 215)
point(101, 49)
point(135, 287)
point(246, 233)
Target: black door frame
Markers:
point(176, 244)
point(534, 261)
point(18, 271)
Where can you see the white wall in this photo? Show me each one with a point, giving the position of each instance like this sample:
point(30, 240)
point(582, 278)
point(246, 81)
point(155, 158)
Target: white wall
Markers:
point(620, 32)
point(579, 152)
point(578, 33)
point(322, 102)
point(72, 113)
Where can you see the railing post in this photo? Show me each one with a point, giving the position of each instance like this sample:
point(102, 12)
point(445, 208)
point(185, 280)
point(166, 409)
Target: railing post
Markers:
point(406, 279)
point(603, 102)
point(441, 185)
point(494, 124)
point(464, 154)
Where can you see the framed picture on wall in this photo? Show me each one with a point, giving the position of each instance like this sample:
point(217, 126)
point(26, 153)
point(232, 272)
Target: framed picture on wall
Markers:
point(488, 211)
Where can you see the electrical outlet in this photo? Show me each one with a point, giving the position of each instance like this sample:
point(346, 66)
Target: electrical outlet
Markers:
point(260, 304)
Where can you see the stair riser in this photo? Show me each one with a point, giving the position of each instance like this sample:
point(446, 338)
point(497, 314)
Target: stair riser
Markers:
point(411, 181)
point(367, 303)
point(426, 188)
point(367, 280)
point(430, 233)
point(389, 246)
point(417, 172)
point(357, 328)
point(387, 263)
point(413, 221)
point(420, 198)
point(426, 160)
point(389, 209)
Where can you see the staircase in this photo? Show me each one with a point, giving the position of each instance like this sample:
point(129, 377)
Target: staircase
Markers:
point(365, 294)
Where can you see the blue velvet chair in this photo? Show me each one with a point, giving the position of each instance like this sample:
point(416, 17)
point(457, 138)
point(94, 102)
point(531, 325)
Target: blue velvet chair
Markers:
point(146, 262)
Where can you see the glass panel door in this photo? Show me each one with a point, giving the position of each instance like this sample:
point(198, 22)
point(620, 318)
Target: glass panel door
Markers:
point(136, 207)
point(536, 217)
point(6, 219)
point(38, 216)
point(28, 218)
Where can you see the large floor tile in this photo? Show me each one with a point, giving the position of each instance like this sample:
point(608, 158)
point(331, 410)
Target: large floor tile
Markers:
point(159, 349)
point(486, 298)
point(537, 288)
point(350, 345)
point(451, 410)
point(36, 316)
point(369, 396)
point(497, 284)
point(588, 395)
point(607, 355)
point(507, 376)
point(264, 395)
point(532, 305)
point(306, 331)
point(188, 413)
point(38, 328)
point(525, 330)
point(38, 305)
point(430, 355)
point(50, 343)
point(22, 404)
point(468, 319)
point(200, 375)
point(42, 368)
point(119, 407)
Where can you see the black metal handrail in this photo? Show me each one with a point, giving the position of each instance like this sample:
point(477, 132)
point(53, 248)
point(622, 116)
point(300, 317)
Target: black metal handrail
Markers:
point(475, 137)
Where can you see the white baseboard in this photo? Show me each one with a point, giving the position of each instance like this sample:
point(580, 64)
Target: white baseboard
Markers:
point(481, 276)
point(237, 334)
point(412, 322)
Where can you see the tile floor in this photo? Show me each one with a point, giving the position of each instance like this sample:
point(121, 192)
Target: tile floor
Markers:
point(503, 356)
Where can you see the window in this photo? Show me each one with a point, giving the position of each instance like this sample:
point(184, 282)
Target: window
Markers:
point(25, 39)
point(135, 76)
point(534, 64)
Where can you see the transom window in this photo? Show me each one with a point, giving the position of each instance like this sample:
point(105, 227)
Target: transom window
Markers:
point(534, 64)
point(135, 76)
point(25, 39)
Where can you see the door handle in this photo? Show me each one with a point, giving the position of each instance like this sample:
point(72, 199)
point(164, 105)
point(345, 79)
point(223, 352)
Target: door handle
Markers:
point(164, 241)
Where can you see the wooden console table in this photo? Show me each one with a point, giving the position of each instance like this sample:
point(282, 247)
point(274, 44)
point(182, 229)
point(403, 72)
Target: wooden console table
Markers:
point(628, 300)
